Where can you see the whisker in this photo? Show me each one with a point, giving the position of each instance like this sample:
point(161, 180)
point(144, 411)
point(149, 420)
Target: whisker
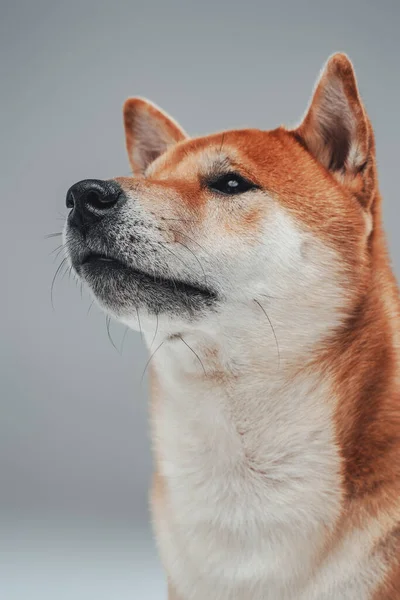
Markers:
point(123, 340)
point(200, 265)
point(155, 333)
point(175, 255)
point(60, 266)
point(192, 240)
point(51, 235)
point(273, 331)
point(68, 269)
point(195, 353)
point(90, 307)
point(150, 359)
point(58, 253)
point(60, 247)
point(108, 321)
point(140, 325)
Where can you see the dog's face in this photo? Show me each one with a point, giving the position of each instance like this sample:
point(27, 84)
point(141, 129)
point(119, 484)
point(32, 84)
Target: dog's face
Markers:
point(212, 226)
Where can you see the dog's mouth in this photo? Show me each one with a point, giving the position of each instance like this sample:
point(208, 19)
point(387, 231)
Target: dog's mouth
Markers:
point(120, 286)
point(94, 258)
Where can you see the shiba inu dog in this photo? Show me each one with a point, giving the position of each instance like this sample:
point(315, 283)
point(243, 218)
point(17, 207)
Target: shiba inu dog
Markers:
point(255, 264)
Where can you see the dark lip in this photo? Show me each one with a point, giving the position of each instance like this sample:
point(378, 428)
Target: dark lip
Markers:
point(176, 285)
point(93, 257)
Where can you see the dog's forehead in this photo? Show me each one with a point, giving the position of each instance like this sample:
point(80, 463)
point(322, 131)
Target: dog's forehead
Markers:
point(202, 155)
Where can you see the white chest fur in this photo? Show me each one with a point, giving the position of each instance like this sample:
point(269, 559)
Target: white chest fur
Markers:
point(251, 473)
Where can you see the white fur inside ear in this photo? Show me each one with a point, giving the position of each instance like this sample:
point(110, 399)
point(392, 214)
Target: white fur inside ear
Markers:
point(334, 108)
point(334, 128)
point(151, 141)
point(149, 132)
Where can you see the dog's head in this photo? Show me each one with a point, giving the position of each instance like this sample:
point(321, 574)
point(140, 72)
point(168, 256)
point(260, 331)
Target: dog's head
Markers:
point(212, 229)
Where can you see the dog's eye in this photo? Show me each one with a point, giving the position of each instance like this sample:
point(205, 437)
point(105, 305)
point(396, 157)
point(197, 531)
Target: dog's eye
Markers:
point(231, 184)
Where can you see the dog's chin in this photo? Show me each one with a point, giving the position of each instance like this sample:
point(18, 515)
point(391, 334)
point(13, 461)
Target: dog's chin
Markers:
point(122, 289)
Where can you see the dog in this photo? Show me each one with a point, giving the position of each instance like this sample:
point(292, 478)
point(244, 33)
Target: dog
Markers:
point(256, 266)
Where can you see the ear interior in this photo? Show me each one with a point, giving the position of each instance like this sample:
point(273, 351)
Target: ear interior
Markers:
point(149, 131)
point(336, 129)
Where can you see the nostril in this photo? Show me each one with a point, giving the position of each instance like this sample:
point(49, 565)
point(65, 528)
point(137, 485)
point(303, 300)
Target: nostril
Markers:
point(94, 198)
point(100, 198)
point(70, 200)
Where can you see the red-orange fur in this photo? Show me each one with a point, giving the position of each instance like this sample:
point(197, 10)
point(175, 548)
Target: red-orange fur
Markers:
point(362, 357)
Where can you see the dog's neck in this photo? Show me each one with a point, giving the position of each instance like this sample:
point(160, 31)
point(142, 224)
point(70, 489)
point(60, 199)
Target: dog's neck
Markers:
point(277, 452)
point(242, 398)
point(251, 386)
point(243, 401)
point(252, 433)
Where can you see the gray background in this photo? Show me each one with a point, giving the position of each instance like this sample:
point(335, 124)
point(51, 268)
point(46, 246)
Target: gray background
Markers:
point(74, 446)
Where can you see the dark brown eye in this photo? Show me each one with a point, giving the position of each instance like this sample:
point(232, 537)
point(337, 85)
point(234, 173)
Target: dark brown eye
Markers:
point(231, 184)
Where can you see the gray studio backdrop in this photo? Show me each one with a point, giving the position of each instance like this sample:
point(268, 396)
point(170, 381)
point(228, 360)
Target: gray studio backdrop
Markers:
point(75, 458)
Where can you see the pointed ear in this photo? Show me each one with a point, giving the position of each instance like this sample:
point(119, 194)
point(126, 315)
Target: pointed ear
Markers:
point(149, 131)
point(336, 129)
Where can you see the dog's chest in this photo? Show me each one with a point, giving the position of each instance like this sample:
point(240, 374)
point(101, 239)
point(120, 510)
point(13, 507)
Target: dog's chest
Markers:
point(248, 471)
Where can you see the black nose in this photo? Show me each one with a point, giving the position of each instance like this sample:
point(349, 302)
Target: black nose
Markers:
point(91, 199)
